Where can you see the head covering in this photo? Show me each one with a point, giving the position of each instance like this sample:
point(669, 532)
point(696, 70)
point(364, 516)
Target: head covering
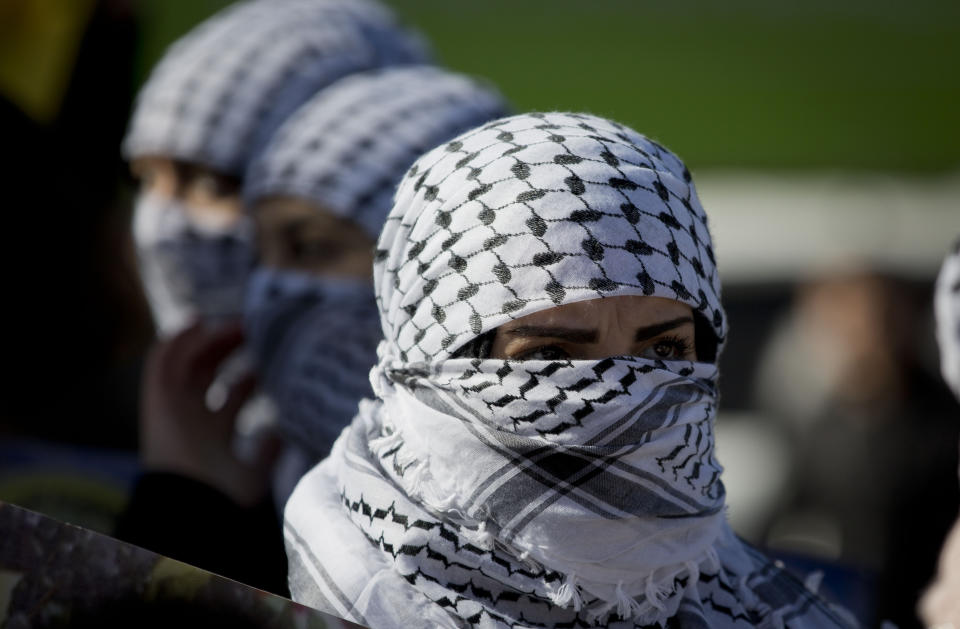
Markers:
point(220, 91)
point(947, 310)
point(348, 148)
point(534, 493)
point(345, 150)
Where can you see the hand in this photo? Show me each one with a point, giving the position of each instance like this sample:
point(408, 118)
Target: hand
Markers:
point(940, 605)
point(180, 434)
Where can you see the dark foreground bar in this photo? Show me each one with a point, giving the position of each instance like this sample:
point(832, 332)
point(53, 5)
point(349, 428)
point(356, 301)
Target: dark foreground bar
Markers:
point(58, 575)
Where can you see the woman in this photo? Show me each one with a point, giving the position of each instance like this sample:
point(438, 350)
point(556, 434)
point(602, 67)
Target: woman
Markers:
point(320, 192)
point(541, 450)
point(207, 109)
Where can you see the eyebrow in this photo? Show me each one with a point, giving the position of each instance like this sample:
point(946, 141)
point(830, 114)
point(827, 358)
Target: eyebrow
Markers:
point(568, 334)
point(575, 335)
point(651, 331)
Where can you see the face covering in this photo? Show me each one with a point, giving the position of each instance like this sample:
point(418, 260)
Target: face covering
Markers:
point(314, 340)
point(504, 493)
point(190, 270)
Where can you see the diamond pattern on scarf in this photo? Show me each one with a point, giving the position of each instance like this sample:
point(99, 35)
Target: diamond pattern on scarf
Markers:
point(534, 211)
point(348, 147)
point(219, 92)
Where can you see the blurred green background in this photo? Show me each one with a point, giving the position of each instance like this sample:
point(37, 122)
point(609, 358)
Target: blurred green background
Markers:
point(761, 85)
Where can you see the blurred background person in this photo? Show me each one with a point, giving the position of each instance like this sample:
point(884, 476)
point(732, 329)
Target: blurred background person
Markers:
point(210, 105)
point(872, 431)
point(320, 192)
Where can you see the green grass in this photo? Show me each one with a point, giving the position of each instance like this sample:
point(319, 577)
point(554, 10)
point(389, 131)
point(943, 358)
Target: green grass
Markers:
point(770, 85)
point(760, 86)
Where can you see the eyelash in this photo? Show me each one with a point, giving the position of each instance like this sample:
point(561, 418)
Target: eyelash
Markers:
point(529, 354)
point(679, 344)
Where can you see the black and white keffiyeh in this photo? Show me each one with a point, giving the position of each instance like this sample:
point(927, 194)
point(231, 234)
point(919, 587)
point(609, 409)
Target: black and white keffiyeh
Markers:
point(190, 269)
point(947, 310)
point(536, 493)
point(219, 92)
point(350, 145)
point(345, 150)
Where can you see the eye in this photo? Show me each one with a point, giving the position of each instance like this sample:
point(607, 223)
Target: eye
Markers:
point(668, 348)
point(325, 251)
point(213, 186)
point(543, 352)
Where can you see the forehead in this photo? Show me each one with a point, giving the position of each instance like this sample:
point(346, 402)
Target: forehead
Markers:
point(283, 212)
point(149, 164)
point(629, 310)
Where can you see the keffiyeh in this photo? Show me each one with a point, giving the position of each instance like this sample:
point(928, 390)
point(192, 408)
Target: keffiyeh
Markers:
point(219, 92)
point(190, 269)
point(536, 493)
point(345, 151)
point(348, 148)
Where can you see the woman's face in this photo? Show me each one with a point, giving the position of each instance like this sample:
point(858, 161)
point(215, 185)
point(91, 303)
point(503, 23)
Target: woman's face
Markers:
point(296, 234)
point(649, 327)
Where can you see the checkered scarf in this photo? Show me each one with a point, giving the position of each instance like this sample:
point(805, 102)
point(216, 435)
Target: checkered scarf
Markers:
point(535, 493)
point(947, 307)
point(349, 146)
point(190, 269)
point(221, 91)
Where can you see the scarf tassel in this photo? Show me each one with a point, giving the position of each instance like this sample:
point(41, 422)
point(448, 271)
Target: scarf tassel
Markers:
point(481, 537)
point(569, 593)
point(384, 443)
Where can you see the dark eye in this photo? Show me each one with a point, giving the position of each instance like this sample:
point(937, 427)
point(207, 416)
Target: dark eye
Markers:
point(544, 352)
point(316, 251)
point(214, 186)
point(668, 348)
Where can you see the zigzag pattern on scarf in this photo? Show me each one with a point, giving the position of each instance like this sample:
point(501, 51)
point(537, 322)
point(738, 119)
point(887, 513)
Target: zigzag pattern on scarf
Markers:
point(361, 507)
point(719, 593)
point(587, 408)
point(711, 488)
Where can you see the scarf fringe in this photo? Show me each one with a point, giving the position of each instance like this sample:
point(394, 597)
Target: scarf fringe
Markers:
point(652, 604)
point(480, 537)
point(568, 593)
point(417, 470)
